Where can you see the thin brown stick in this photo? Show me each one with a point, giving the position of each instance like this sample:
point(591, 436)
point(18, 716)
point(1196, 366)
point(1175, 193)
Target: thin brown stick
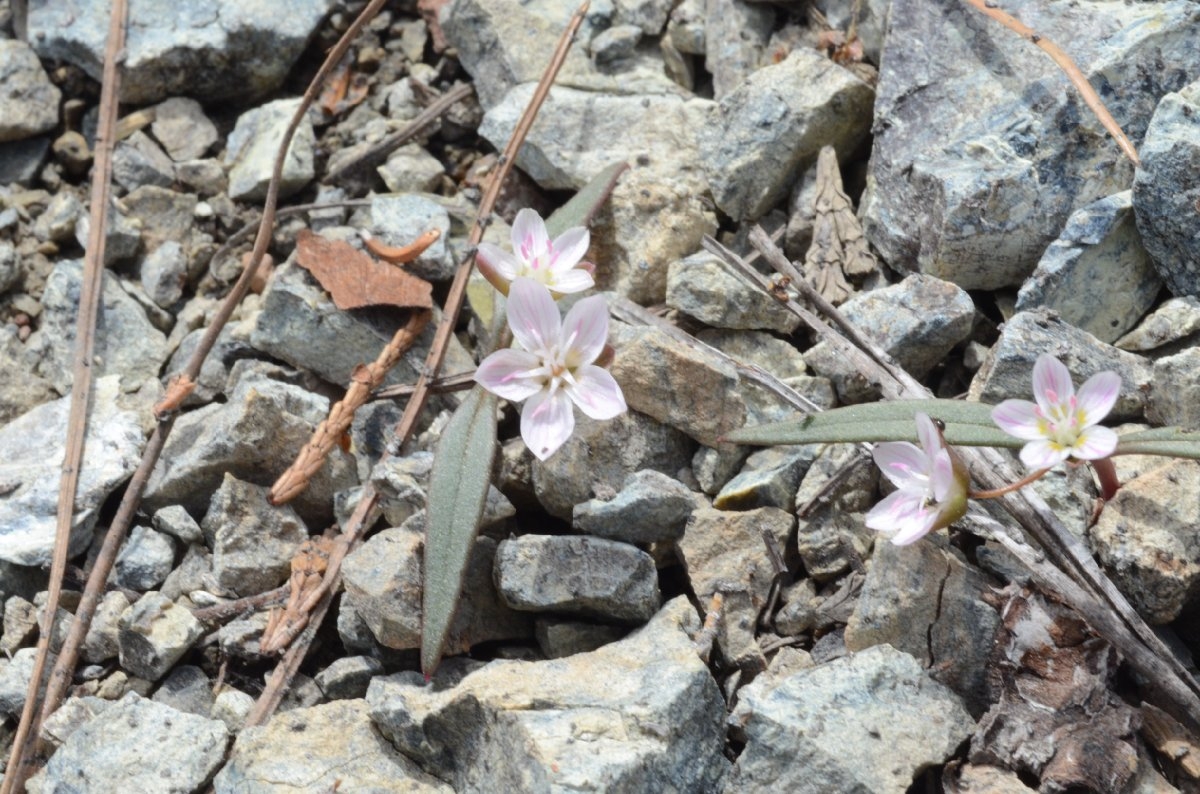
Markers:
point(68, 657)
point(1073, 73)
point(221, 612)
point(20, 765)
point(443, 385)
point(368, 501)
point(327, 435)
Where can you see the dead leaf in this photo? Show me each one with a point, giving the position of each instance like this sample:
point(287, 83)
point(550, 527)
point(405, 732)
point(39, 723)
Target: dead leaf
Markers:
point(355, 280)
point(838, 247)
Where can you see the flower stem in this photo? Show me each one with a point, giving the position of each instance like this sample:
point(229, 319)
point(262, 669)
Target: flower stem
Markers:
point(1106, 471)
point(1007, 489)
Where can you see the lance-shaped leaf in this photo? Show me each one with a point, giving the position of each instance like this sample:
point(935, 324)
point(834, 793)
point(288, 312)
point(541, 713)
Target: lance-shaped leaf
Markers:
point(1170, 441)
point(584, 205)
point(458, 486)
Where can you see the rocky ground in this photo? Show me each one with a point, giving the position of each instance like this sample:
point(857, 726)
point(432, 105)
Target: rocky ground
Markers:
point(1002, 223)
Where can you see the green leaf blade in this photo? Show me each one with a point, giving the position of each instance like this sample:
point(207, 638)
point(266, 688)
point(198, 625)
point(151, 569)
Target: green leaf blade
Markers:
point(458, 486)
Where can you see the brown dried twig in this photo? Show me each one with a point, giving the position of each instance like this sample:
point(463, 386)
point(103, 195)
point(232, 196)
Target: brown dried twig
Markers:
point(367, 506)
point(1073, 73)
point(20, 765)
point(366, 378)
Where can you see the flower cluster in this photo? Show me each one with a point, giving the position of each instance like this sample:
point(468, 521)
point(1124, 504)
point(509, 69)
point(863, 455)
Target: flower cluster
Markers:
point(932, 485)
point(554, 367)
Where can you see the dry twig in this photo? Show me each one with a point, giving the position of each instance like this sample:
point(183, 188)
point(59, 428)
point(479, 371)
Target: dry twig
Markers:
point(20, 765)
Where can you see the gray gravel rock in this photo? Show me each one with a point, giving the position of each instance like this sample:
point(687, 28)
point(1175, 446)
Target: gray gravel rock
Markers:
point(138, 161)
point(164, 273)
point(18, 395)
point(1176, 322)
point(918, 322)
point(411, 169)
point(1096, 275)
point(1008, 369)
point(100, 644)
point(1166, 189)
point(111, 751)
point(183, 129)
point(600, 721)
point(20, 161)
point(925, 601)
point(124, 238)
point(145, 559)
point(211, 50)
point(1146, 539)
point(232, 706)
point(686, 387)
point(558, 638)
point(398, 220)
point(735, 38)
point(253, 437)
point(57, 223)
point(340, 744)
point(702, 287)
point(722, 548)
point(403, 483)
point(251, 148)
point(30, 472)
point(347, 678)
point(384, 590)
point(28, 100)
point(1175, 391)
point(252, 540)
point(154, 633)
point(588, 577)
point(177, 522)
point(14, 681)
point(975, 197)
point(832, 536)
point(599, 456)
point(768, 478)
point(300, 325)
point(127, 343)
point(188, 689)
point(10, 266)
point(879, 702)
point(761, 136)
point(649, 508)
point(610, 47)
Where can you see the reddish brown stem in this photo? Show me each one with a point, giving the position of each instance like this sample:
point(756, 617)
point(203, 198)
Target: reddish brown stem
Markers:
point(1007, 489)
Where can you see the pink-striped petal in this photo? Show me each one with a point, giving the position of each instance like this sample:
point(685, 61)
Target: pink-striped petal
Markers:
point(1095, 443)
point(574, 280)
point(529, 236)
point(1043, 454)
point(585, 330)
point(507, 374)
point(941, 476)
point(902, 463)
point(532, 315)
point(1051, 383)
point(1098, 395)
point(497, 259)
point(927, 432)
point(568, 248)
point(546, 423)
point(893, 512)
point(596, 393)
point(1017, 418)
point(915, 529)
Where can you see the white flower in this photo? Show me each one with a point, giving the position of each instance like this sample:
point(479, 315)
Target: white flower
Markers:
point(555, 264)
point(1061, 424)
point(931, 486)
point(555, 368)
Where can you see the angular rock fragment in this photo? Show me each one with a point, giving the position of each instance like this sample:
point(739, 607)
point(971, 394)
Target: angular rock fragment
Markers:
point(650, 507)
point(252, 540)
point(702, 287)
point(153, 634)
point(720, 547)
point(1175, 391)
point(28, 100)
point(252, 146)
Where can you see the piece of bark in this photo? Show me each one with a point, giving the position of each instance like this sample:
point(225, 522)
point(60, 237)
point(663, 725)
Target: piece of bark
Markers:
point(838, 250)
point(353, 279)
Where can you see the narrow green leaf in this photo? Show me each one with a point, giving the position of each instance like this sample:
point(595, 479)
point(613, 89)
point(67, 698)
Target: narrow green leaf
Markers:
point(967, 435)
point(587, 202)
point(858, 423)
point(458, 486)
point(1175, 449)
point(1163, 434)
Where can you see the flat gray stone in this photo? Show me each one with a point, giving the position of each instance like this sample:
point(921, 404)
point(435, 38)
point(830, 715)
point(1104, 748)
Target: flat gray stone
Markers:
point(399, 220)
point(254, 437)
point(1175, 391)
point(18, 395)
point(831, 537)
point(723, 548)
point(1166, 189)
point(124, 238)
point(253, 541)
point(252, 146)
point(702, 287)
point(1007, 372)
point(30, 471)
point(599, 456)
point(1096, 275)
point(109, 752)
point(210, 50)
point(100, 644)
point(975, 197)
point(340, 744)
point(735, 40)
point(384, 589)
point(183, 129)
point(761, 137)
point(558, 637)
point(28, 100)
point(14, 681)
point(588, 577)
point(879, 702)
point(650, 507)
point(768, 478)
point(145, 559)
point(138, 161)
point(1145, 538)
point(592, 722)
point(187, 688)
point(127, 343)
point(1175, 322)
point(917, 322)
point(347, 678)
point(153, 634)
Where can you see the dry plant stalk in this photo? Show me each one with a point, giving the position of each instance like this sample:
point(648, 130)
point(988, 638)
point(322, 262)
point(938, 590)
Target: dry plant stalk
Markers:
point(178, 390)
point(708, 633)
point(20, 763)
point(309, 564)
point(838, 249)
point(368, 501)
point(28, 744)
point(1077, 78)
point(404, 254)
point(366, 378)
